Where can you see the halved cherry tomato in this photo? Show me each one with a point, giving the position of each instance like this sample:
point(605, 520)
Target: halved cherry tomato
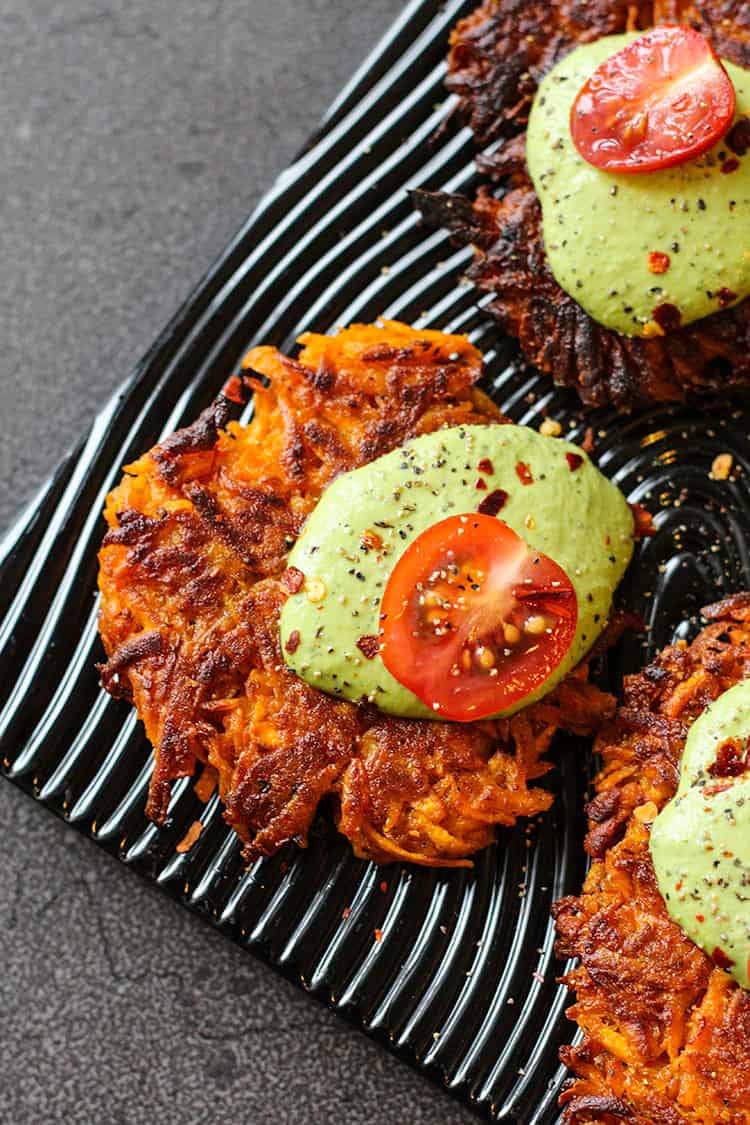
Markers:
point(663, 99)
point(472, 619)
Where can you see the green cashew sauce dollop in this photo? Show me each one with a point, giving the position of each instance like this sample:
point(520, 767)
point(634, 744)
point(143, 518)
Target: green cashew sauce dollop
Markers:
point(700, 841)
point(552, 496)
point(601, 228)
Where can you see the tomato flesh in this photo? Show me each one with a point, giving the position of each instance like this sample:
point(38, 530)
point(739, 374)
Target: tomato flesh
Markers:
point(663, 99)
point(472, 619)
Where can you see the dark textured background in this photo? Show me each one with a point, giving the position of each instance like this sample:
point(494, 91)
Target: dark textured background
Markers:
point(134, 138)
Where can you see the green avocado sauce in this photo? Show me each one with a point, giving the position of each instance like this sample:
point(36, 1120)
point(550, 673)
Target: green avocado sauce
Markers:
point(600, 227)
point(700, 841)
point(366, 519)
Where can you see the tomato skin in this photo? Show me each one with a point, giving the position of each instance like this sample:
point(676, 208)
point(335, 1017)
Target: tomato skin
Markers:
point(663, 99)
point(473, 620)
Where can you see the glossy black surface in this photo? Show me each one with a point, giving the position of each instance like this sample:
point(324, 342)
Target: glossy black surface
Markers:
point(463, 981)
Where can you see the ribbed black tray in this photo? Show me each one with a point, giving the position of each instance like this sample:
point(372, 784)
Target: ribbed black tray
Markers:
point(463, 982)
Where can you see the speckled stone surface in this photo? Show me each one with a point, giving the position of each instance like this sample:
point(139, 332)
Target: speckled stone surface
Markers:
point(134, 138)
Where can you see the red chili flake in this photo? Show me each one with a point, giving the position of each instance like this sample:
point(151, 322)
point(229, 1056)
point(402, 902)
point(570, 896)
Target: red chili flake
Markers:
point(486, 466)
point(700, 918)
point(233, 389)
point(370, 540)
point(493, 502)
point(725, 297)
point(732, 759)
point(481, 484)
point(658, 262)
point(721, 959)
point(369, 646)
point(607, 540)
point(587, 445)
point(378, 935)
point(574, 461)
point(668, 317)
point(384, 886)
point(644, 522)
point(678, 886)
point(345, 913)
point(714, 788)
point(293, 641)
point(730, 165)
point(523, 472)
point(292, 580)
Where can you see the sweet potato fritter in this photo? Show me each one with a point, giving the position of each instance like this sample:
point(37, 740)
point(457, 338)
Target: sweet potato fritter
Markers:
point(498, 56)
point(666, 1031)
point(191, 577)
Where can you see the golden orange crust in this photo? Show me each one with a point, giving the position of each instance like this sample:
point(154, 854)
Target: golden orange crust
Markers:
point(199, 531)
point(666, 1031)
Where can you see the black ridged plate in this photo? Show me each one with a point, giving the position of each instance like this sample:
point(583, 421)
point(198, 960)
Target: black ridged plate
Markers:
point(463, 982)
